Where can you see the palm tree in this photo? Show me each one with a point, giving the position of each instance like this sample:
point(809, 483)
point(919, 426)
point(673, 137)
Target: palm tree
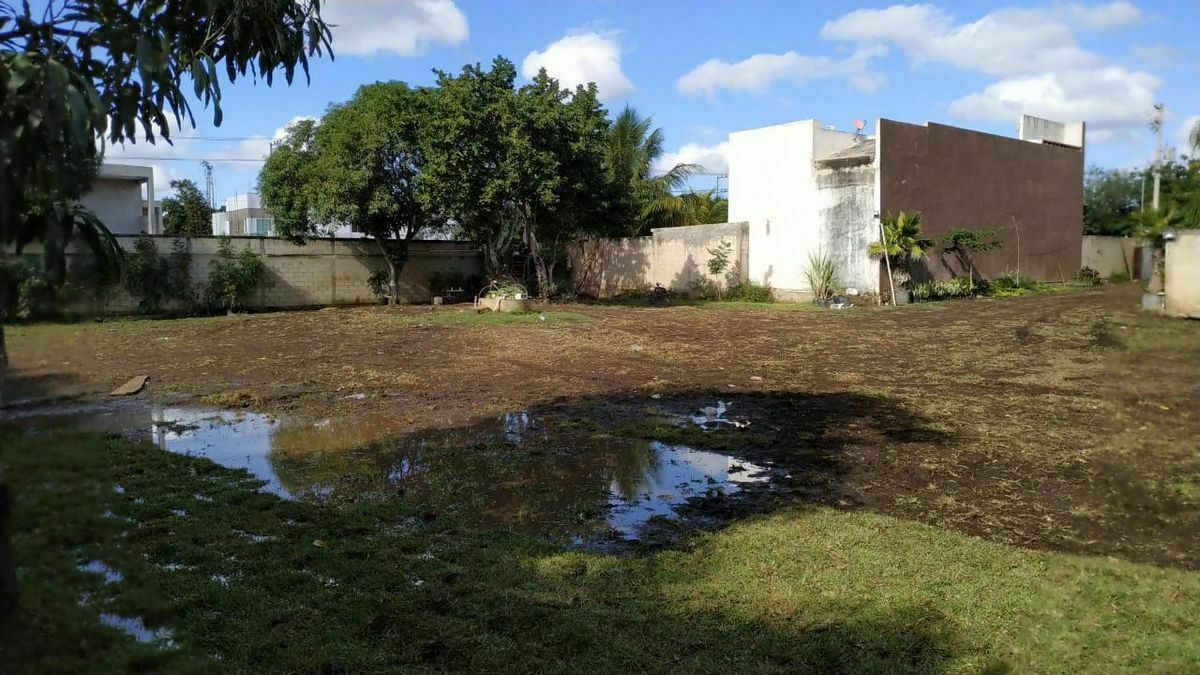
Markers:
point(706, 208)
point(644, 199)
point(902, 244)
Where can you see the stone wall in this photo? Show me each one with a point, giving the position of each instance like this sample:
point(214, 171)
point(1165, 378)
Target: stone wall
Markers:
point(676, 257)
point(325, 272)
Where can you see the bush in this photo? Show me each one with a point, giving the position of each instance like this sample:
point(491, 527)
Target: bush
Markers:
point(748, 291)
point(1014, 284)
point(822, 277)
point(705, 288)
point(154, 281)
point(1119, 278)
point(1089, 276)
point(380, 283)
point(951, 289)
point(28, 294)
point(233, 277)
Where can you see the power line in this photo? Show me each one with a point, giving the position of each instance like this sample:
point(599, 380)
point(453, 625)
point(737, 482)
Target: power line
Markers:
point(190, 159)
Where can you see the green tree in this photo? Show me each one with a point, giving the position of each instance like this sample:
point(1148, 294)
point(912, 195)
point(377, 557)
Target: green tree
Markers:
point(964, 243)
point(187, 213)
point(640, 198)
point(1110, 197)
point(1194, 137)
point(84, 72)
point(557, 154)
point(285, 182)
point(470, 171)
point(718, 263)
point(361, 166)
point(705, 208)
point(902, 245)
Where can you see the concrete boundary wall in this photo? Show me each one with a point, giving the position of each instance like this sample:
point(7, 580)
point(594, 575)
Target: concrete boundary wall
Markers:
point(1108, 255)
point(676, 257)
point(1182, 275)
point(324, 272)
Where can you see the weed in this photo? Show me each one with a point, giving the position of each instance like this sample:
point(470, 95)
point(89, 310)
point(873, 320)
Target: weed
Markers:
point(748, 291)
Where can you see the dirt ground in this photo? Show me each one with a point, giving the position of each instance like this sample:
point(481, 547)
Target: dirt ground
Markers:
point(1063, 421)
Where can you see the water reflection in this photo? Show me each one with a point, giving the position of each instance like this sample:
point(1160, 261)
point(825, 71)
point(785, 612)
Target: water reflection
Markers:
point(508, 472)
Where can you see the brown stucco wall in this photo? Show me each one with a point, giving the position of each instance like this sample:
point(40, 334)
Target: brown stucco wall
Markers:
point(961, 178)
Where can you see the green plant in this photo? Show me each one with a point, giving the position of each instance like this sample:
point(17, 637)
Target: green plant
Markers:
point(822, 276)
point(1119, 278)
point(154, 281)
point(1089, 276)
point(705, 288)
point(902, 245)
point(949, 289)
point(965, 243)
point(718, 262)
point(748, 291)
point(232, 277)
point(1012, 284)
point(380, 283)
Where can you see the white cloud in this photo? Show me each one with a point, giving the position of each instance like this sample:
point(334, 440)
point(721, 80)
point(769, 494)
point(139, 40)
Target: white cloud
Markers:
point(580, 58)
point(1100, 17)
point(1106, 98)
point(757, 73)
point(1004, 42)
point(714, 158)
point(1035, 53)
point(404, 27)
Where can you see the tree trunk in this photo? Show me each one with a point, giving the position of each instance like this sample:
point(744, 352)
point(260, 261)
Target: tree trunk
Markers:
point(3, 359)
point(8, 567)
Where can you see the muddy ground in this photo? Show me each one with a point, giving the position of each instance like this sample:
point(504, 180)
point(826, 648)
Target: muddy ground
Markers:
point(1064, 422)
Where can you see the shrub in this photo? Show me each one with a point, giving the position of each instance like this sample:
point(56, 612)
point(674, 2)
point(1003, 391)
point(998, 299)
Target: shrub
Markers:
point(232, 277)
point(822, 276)
point(153, 280)
point(748, 291)
point(380, 283)
point(1119, 278)
point(1014, 281)
point(951, 289)
point(1089, 276)
point(705, 288)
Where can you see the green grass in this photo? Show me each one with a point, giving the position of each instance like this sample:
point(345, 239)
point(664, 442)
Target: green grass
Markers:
point(470, 317)
point(384, 586)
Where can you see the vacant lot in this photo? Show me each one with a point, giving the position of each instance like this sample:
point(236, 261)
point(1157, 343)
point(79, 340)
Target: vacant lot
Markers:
point(954, 487)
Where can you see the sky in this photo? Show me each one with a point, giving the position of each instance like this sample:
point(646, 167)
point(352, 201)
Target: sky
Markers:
point(705, 69)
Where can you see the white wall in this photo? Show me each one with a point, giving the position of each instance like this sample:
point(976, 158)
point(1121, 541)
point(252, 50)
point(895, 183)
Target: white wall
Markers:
point(117, 202)
point(1182, 275)
point(772, 185)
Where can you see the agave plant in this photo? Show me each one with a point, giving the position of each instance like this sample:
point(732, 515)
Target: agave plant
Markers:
point(822, 276)
point(902, 244)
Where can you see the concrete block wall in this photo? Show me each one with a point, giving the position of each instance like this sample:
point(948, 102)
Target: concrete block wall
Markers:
point(675, 257)
point(1108, 255)
point(1182, 275)
point(324, 272)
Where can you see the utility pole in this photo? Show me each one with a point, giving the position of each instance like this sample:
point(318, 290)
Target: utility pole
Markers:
point(1157, 126)
point(209, 187)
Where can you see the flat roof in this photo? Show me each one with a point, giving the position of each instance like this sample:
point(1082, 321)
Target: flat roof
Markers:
point(126, 171)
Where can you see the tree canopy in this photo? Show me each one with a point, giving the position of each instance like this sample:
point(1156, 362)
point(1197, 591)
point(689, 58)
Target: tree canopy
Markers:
point(361, 167)
point(1113, 198)
point(187, 213)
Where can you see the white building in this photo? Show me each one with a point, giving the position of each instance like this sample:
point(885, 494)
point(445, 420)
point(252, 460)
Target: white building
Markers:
point(244, 216)
point(121, 196)
point(809, 190)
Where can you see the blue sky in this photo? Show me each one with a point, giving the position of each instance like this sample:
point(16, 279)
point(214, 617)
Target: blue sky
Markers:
point(704, 69)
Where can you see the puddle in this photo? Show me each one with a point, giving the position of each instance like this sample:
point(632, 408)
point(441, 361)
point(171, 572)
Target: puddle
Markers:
point(515, 471)
point(674, 475)
point(136, 628)
point(111, 576)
